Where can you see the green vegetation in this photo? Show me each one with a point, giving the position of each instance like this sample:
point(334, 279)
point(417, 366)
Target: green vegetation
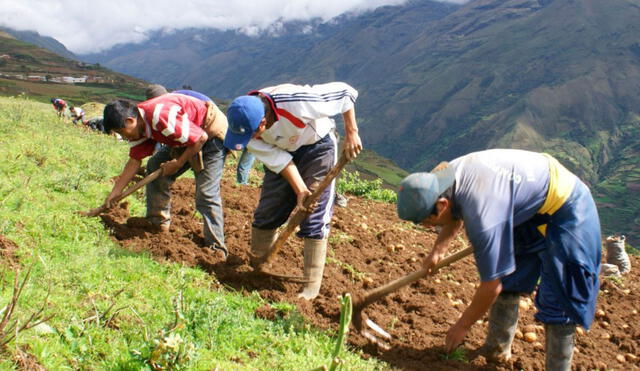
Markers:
point(113, 308)
point(458, 354)
point(372, 166)
point(370, 189)
point(355, 274)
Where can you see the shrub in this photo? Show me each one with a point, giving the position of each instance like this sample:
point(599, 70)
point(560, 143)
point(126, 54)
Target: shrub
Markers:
point(370, 189)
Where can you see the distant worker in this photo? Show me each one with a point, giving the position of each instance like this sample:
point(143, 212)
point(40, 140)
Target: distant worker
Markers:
point(192, 131)
point(245, 163)
point(60, 106)
point(77, 114)
point(95, 123)
point(531, 223)
point(289, 128)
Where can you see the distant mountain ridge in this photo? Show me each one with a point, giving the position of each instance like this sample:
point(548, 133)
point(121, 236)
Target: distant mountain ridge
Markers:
point(45, 42)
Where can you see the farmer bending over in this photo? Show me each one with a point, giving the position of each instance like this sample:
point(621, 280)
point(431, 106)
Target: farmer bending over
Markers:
point(529, 219)
point(289, 128)
point(77, 114)
point(60, 105)
point(192, 131)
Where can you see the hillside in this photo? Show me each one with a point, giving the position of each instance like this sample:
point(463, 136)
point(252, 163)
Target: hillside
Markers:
point(44, 42)
point(370, 246)
point(39, 73)
point(114, 308)
point(438, 81)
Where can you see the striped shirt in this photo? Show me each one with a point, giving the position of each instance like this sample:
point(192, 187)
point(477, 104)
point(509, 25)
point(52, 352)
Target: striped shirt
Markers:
point(303, 117)
point(172, 119)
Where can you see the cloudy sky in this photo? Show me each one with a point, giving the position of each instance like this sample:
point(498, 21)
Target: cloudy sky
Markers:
point(85, 26)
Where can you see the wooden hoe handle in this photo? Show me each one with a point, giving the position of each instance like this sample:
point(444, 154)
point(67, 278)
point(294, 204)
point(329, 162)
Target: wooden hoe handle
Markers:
point(300, 214)
point(392, 286)
point(146, 180)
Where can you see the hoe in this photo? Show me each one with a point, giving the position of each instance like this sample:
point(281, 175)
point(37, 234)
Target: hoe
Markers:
point(146, 180)
point(360, 320)
point(295, 219)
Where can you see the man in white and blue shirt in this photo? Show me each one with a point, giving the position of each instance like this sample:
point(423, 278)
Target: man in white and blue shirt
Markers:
point(289, 128)
point(531, 223)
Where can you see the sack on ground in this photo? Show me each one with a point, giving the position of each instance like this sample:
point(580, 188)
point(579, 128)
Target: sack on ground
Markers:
point(609, 270)
point(617, 255)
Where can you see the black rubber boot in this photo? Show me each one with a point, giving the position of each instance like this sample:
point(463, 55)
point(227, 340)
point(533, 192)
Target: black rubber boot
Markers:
point(559, 346)
point(503, 321)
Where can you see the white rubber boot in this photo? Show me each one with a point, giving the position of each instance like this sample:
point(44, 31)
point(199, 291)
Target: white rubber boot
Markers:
point(315, 253)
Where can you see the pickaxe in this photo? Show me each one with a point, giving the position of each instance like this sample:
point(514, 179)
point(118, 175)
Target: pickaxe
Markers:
point(360, 320)
point(295, 219)
point(146, 180)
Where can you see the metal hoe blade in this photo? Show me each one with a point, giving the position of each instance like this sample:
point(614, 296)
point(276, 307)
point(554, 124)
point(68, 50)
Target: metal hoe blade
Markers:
point(363, 324)
point(381, 342)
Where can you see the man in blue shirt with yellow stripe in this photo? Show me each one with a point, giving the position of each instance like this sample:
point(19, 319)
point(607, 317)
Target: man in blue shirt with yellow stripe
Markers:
point(531, 223)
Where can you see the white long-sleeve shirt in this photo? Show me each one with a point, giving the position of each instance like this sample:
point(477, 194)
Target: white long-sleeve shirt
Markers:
point(303, 115)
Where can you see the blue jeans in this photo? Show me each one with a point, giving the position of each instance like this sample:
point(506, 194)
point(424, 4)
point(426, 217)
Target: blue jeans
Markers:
point(564, 265)
point(277, 199)
point(208, 199)
point(245, 162)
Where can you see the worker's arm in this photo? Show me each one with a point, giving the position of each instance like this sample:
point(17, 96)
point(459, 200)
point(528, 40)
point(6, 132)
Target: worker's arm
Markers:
point(130, 169)
point(484, 297)
point(352, 141)
point(291, 174)
point(170, 167)
point(441, 245)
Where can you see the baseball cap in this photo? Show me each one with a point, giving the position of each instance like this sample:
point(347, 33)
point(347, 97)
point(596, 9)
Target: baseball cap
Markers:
point(419, 192)
point(155, 90)
point(244, 116)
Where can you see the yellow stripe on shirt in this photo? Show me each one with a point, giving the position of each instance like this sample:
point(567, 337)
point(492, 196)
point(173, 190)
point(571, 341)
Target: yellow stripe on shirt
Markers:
point(561, 184)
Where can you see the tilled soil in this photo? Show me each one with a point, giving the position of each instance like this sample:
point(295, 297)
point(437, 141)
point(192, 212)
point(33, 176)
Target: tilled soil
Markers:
point(370, 246)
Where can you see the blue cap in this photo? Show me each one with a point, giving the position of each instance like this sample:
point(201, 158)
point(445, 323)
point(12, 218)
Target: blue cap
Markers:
point(244, 116)
point(419, 192)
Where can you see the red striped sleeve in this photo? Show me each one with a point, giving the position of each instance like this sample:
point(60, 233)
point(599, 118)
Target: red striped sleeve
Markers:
point(175, 119)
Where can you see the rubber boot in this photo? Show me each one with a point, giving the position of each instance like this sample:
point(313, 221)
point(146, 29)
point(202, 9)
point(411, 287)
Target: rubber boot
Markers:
point(261, 241)
point(315, 253)
point(559, 346)
point(503, 321)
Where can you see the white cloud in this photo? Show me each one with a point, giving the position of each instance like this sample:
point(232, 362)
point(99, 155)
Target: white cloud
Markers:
point(89, 26)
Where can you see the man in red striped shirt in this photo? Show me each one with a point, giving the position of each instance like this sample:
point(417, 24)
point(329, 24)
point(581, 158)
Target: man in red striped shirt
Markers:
point(182, 122)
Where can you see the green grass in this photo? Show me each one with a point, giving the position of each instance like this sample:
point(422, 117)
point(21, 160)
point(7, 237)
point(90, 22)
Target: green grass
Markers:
point(353, 184)
point(457, 354)
point(160, 312)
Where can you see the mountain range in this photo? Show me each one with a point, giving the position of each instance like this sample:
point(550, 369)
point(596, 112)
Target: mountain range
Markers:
point(439, 80)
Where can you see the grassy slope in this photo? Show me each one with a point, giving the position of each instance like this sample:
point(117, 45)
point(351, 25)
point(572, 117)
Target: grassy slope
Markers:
point(73, 93)
point(29, 59)
point(52, 170)
point(371, 166)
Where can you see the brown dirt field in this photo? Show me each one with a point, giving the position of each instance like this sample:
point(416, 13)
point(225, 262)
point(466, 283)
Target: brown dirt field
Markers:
point(370, 246)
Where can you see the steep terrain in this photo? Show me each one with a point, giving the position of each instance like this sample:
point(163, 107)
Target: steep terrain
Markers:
point(32, 70)
point(370, 246)
point(440, 80)
point(45, 42)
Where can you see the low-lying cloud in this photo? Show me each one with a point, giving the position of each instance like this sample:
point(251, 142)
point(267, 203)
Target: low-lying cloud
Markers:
point(91, 26)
